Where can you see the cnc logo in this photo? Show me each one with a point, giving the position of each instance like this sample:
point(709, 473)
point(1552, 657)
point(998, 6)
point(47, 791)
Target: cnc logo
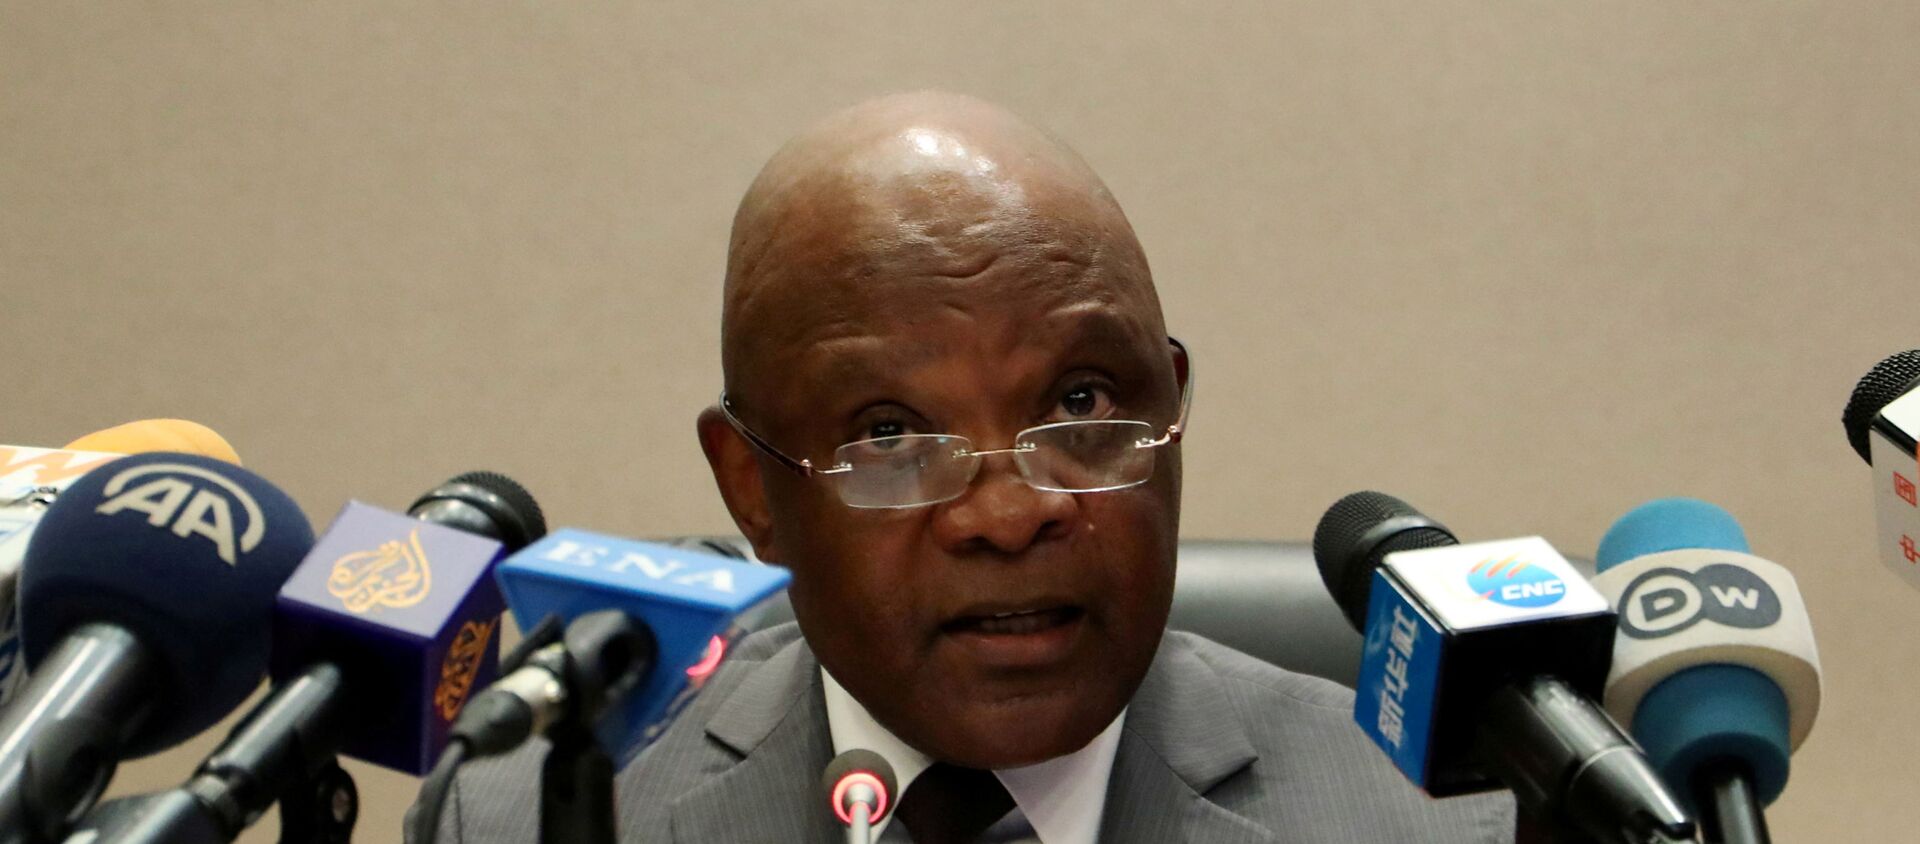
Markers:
point(174, 500)
point(1515, 583)
point(1665, 601)
point(460, 667)
point(395, 575)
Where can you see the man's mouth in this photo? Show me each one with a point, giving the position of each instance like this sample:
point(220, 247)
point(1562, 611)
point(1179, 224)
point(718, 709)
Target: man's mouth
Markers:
point(1018, 638)
point(1015, 623)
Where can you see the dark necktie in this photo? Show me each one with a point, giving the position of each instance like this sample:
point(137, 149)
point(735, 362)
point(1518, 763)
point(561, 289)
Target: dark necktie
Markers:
point(948, 804)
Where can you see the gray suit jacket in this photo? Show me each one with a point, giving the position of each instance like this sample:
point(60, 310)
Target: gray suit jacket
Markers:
point(1217, 747)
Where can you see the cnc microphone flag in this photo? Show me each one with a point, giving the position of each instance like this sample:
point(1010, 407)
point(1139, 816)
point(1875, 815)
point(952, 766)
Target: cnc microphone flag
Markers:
point(1479, 669)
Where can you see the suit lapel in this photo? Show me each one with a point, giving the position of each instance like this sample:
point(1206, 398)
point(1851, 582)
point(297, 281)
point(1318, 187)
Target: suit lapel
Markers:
point(776, 723)
point(1181, 738)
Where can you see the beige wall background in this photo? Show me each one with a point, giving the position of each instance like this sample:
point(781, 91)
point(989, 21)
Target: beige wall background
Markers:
point(1523, 264)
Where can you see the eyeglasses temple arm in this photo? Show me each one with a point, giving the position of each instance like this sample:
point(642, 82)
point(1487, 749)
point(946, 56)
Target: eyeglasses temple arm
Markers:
point(1179, 427)
point(803, 467)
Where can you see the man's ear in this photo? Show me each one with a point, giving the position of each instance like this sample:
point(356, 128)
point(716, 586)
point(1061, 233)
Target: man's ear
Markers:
point(736, 470)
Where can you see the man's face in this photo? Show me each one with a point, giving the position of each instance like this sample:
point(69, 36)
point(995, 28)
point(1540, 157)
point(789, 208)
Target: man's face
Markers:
point(1008, 625)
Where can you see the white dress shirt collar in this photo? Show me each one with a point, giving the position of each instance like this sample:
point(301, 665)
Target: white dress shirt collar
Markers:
point(1062, 798)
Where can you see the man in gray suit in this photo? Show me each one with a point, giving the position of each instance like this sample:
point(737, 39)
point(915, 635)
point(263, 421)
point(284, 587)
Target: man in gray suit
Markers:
point(953, 410)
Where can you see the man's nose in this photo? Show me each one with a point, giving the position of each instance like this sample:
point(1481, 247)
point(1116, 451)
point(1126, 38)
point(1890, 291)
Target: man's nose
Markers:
point(1001, 513)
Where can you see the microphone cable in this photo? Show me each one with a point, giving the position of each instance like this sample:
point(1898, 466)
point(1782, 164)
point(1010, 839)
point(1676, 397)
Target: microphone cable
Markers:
point(497, 721)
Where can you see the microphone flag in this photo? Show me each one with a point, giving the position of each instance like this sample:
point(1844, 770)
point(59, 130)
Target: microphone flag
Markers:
point(408, 610)
point(695, 603)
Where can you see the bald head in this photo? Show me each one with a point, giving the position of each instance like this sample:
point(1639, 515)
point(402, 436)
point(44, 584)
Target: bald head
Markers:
point(907, 190)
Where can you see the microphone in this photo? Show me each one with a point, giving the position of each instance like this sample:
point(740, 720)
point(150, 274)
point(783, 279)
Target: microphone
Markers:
point(692, 603)
point(176, 435)
point(145, 606)
point(405, 606)
point(645, 626)
point(1479, 666)
point(379, 635)
point(1714, 669)
point(30, 478)
point(859, 786)
point(1882, 419)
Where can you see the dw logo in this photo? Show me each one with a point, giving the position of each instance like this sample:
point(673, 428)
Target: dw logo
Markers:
point(1515, 583)
point(191, 509)
point(1665, 601)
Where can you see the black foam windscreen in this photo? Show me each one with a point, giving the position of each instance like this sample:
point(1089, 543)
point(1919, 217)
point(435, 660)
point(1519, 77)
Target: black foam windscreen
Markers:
point(187, 554)
point(487, 503)
point(1887, 380)
point(1356, 533)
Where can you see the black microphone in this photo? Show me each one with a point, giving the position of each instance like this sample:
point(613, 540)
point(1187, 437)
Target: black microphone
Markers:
point(375, 651)
point(622, 635)
point(1888, 381)
point(146, 596)
point(1480, 667)
point(1882, 419)
point(409, 608)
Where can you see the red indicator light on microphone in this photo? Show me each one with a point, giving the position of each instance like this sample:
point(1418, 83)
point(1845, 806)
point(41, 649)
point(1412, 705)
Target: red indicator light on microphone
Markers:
point(858, 777)
point(716, 650)
point(844, 810)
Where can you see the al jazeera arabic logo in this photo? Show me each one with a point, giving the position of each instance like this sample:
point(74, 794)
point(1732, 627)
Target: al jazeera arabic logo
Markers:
point(395, 575)
point(461, 666)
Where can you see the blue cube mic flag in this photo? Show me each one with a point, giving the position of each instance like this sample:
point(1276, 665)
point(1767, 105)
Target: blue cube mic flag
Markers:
point(409, 611)
point(1479, 669)
point(694, 603)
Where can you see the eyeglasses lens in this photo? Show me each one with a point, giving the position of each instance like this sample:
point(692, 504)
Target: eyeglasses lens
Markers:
point(903, 471)
point(917, 469)
point(1087, 456)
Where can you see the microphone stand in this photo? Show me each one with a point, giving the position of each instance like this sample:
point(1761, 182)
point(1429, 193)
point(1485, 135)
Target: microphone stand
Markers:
point(282, 752)
point(1571, 765)
point(606, 654)
point(861, 830)
point(1724, 789)
point(576, 789)
point(593, 663)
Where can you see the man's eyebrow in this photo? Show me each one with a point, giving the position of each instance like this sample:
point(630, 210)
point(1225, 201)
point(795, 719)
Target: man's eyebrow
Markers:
point(870, 362)
point(1105, 330)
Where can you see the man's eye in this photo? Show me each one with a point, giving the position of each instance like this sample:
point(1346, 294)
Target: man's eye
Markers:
point(890, 428)
point(890, 440)
point(1085, 401)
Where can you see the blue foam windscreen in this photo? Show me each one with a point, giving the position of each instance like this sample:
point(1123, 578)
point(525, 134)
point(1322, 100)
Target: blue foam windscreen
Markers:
point(1669, 524)
point(187, 554)
point(1706, 712)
